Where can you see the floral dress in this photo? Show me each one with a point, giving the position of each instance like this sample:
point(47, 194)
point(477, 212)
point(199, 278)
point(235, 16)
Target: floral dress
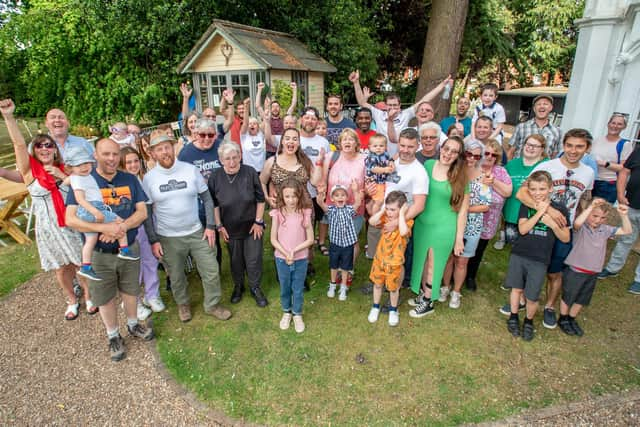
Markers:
point(479, 194)
point(57, 246)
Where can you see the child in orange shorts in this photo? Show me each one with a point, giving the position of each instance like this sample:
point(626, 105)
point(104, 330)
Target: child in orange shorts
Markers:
point(388, 263)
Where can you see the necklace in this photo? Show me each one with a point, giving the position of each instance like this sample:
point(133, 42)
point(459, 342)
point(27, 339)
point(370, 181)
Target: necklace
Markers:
point(230, 180)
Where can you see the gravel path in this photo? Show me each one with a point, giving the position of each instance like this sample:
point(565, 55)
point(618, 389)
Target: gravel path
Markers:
point(55, 372)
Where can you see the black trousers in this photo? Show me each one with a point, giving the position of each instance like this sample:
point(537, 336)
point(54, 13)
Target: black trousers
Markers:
point(245, 255)
point(474, 263)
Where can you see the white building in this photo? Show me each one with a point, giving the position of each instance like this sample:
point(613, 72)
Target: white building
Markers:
point(606, 70)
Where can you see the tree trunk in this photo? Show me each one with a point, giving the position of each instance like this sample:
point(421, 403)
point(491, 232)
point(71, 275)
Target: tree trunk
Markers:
point(442, 49)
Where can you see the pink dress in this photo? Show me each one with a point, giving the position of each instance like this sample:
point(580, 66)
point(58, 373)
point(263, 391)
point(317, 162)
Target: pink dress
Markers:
point(343, 172)
point(491, 218)
point(291, 231)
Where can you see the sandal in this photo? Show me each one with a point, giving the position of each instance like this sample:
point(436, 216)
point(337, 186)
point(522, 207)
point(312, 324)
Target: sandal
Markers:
point(72, 312)
point(324, 250)
point(91, 309)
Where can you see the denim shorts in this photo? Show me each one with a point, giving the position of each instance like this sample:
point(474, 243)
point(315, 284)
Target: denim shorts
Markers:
point(86, 216)
point(559, 253)
point(340, 258)
point(470, 246)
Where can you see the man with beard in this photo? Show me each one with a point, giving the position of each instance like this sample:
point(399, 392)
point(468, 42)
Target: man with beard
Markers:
point(462, 108)
point(336, 121)
point(540, 124)
point(174, 188)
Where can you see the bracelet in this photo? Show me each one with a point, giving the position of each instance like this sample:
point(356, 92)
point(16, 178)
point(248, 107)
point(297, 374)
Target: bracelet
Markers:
point(218, 226)
point(260, 223)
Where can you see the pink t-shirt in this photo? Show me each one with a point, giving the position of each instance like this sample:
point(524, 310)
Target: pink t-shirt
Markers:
point(291, 230)
point(343, 172)
point(491, 218)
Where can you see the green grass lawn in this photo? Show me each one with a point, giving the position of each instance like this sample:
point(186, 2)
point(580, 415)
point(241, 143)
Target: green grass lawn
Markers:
point(18, 263)
point(455, 366)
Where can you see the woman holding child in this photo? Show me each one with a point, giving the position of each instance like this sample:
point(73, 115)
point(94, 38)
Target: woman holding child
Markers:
point(42, 171)
point(439, 229)
point(496, 177)
point(344, 167)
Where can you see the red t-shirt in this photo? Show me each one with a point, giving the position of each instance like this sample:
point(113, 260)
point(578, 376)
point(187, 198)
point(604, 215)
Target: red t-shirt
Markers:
point(364, 138)
point(235, 130)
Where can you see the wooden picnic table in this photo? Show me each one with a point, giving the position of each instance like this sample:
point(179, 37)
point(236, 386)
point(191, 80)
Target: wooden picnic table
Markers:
point(12, 194)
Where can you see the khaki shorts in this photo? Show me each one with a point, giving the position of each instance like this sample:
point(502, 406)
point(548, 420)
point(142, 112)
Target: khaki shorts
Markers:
point(388, 275)
point(116, 274)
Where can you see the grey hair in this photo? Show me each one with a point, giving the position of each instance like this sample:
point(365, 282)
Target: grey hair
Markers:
point(472, 144)
point(227, 147)
point(430, 125)
point(205, 123)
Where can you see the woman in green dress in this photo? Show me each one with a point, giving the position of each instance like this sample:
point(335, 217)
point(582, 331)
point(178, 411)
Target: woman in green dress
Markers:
point(440, 227)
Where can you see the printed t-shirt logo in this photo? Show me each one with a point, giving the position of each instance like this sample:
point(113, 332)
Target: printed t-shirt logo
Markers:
point(173, 185)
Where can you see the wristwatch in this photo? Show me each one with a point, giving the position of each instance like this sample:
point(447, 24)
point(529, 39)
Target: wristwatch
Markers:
point(606, 165)
point(260, 223)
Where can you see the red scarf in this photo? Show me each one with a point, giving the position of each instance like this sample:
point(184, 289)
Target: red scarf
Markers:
point(48, 181)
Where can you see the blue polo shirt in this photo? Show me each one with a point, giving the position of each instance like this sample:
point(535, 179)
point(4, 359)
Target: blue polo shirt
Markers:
point(121, 194)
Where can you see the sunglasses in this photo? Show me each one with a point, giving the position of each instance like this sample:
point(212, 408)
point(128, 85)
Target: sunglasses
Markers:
point(44, 145)
point(470, 155)
point(207, 135)
point(494, 155)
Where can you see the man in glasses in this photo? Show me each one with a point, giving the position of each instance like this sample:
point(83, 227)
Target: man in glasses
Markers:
point(203, 154)
point(572, 184)
point(394, 116)
point(123, 193)
point(539, 124)
point(58, 125)
point(429, 142)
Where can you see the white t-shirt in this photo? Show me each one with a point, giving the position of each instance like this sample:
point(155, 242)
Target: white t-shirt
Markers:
point(312, 146)
point(399, 123)
point(568, 184)
point(601, 149)
point(409, 178)
point(254, 150)
point(88, 184)
point(174, 195)
point(495, 112)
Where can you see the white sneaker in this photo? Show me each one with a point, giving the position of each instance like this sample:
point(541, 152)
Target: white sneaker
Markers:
point(373, 315)
point(444, 293)
point(143, 312)
point(499, 244)
point(331, 293)
point(394, 318)
point(298, 323)
point(155, 304)
point(285, 321)
point(342, 295)
point(454, 302)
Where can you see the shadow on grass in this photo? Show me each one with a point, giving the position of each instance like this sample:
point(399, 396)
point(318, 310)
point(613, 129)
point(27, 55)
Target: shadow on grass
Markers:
point(456, 366)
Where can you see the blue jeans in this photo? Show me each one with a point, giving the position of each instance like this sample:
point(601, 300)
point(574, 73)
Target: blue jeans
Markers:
point(291, 279)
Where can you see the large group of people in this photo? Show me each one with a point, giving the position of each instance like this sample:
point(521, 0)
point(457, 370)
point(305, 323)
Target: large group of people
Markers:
point(423, 198)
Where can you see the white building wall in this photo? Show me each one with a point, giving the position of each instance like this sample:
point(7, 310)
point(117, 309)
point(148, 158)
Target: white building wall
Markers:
point(605, 75)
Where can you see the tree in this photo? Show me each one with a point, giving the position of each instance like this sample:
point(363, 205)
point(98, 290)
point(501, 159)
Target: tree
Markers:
point(442, 48)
